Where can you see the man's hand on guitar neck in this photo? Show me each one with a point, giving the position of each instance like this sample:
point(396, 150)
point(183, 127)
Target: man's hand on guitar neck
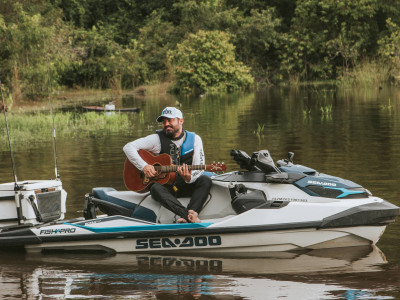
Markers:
point(184, 172)
point(149, 171)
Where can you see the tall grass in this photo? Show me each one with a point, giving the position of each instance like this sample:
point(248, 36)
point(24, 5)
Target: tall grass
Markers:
point(326, 109)
point(260, 129)
point(37, 127)
point(367, 73)
point(387, 107)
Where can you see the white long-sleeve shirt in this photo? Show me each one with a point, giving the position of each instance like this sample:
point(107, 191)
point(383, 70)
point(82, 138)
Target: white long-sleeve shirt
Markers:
point(152, 144)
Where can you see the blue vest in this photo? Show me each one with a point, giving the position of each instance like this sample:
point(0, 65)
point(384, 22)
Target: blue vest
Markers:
point(185, 155)
point(179, 156)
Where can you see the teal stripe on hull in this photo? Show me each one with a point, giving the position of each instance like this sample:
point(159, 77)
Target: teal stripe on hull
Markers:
point(144, 227)
point(345, 192)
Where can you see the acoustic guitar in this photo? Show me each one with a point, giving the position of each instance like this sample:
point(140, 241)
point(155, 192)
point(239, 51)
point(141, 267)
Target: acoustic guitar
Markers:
point(136, 181)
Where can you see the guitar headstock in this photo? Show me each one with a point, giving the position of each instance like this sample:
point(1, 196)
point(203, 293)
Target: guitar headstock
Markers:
point(216, 167)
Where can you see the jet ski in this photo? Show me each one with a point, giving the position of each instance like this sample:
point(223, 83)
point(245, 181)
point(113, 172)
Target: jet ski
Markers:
point(265, 207)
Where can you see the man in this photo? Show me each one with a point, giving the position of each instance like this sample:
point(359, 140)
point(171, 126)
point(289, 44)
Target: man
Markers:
point(185, 148)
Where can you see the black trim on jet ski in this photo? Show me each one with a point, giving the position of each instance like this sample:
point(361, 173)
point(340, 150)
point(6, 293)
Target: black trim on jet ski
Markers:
point(367, 214)
point(7, 198)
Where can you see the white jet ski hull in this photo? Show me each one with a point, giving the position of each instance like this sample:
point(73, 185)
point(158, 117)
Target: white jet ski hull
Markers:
point(255, 242)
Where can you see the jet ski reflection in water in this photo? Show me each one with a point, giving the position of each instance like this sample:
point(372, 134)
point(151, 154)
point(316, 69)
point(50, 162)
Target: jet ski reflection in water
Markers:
point(343, 260)
point(322, 271)
point(266, 208)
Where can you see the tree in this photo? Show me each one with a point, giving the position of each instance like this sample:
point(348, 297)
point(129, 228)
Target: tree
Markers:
point(389, 49)
point(257, 40)
point(34, 49)
point(101, 62)
point(155, 38)
point(328, 34)
point(205, 61)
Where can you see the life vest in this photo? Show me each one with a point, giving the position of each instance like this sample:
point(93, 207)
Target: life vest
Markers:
point(181, 155)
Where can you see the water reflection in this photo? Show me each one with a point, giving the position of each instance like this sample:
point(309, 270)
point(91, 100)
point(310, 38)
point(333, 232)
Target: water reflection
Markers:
point(268, 276)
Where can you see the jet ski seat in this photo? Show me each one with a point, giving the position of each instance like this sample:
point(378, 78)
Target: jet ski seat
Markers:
point(144, 207)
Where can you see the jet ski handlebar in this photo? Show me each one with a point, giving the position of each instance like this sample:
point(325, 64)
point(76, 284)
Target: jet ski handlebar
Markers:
point(259, 161)
point(242, 158)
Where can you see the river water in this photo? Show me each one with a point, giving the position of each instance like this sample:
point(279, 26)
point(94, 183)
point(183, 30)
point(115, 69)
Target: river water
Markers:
point(350, 133)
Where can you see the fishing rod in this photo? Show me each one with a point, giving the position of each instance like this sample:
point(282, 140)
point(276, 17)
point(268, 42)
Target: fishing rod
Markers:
point(17, 188)
point(9, 139)
point(54, 126)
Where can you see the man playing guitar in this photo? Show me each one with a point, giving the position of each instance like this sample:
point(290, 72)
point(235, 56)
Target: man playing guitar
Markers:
point(185, 148)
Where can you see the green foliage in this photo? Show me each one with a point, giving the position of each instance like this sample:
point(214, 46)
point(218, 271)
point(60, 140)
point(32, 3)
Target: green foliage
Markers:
point(36, 128)
point(260, 129)
point(386, 107)
point(34, 49)
point(326, 109)
point(205, 61)
point(125, 17)
point(124, 43)
point(389, 49)
point(257, 40)
point(101, 62)
point(367, 73)
point(195, 15)
point(326, 35)
point(284, 8)
point(155, 38)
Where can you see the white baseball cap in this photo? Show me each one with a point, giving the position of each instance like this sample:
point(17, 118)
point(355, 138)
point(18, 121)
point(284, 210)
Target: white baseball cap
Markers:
point(170, 113)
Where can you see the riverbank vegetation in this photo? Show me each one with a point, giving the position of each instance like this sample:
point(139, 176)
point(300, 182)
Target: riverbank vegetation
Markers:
point(196, 45)
point(37, 127)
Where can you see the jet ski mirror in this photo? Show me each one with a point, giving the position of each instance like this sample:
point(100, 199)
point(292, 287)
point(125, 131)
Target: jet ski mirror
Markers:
point(290, 157)
point(287, 162)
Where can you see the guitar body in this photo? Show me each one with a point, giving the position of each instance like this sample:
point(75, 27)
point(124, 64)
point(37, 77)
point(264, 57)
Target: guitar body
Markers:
point(136, 181)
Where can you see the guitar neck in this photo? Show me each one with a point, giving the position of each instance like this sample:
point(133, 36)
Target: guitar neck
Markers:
point(173, 168)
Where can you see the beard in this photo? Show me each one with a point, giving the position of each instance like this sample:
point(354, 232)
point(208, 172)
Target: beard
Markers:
point(170, 132)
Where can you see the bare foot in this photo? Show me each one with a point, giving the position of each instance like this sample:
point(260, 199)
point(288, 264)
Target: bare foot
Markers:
point(181, 220)
point(193, 217)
